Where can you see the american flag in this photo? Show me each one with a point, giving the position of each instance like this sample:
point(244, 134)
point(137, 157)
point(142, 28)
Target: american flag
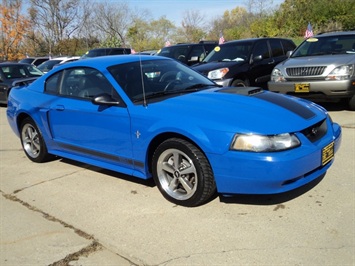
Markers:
point(309, 31)
point(221, 39)
point(167, 43)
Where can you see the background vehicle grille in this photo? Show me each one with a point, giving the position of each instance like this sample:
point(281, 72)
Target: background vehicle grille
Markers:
point(316, 132)
point(305, 71)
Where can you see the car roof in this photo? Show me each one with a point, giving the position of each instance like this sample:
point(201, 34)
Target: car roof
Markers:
point(335, 33)
point(109, 48)
point(254, 40)
point(192, 44)
point(14, 63)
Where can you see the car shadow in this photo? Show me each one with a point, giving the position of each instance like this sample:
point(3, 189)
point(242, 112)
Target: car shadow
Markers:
point(145, 182)
point(270, 199)
point(252, 199)
point(334, 106)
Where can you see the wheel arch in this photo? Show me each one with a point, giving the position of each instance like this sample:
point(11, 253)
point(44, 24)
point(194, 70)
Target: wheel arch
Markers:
point(157, 140)
point(241, 77)
point(20, 118)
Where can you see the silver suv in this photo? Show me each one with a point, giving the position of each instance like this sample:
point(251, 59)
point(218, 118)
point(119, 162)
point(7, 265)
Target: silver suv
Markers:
point(321, 68)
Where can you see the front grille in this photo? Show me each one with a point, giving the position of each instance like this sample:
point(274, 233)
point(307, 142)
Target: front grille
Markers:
point(316, 132)
point(305, 71)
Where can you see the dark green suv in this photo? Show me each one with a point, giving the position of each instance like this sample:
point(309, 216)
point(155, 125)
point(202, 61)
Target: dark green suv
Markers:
point(188, 53)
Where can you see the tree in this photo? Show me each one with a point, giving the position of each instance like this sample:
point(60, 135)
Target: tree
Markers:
point(112, 20)
point(192, 27)
point(56, 20)
point(161, 30)
point(13, 29)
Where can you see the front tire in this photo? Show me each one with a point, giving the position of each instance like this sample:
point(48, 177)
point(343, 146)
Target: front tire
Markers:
point(33, 143)
point(182, 173)
point(352, 103)
point(240, 83)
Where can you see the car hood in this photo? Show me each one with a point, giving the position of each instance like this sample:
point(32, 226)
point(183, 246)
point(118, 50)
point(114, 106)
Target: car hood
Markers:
point(251, 110)
point(324, 60)
point(206, 67)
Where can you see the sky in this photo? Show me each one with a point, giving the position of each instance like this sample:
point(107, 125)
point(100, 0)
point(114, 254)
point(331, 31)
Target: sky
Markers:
point(174, 9)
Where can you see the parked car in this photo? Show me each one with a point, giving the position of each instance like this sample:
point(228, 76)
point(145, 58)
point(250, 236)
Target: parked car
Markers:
point(147, 52)
point(322, 68)
point(50, 64)
point(246, 62)
point(13, 74)
point(188, 53)
point(105, 51)
point(36, 61)
point(191, 136)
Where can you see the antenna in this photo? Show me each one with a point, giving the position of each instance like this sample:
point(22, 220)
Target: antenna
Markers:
point(142, 80)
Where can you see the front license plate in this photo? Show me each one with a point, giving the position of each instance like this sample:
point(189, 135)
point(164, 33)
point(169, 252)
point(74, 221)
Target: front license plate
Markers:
point(302, 87)
point(327, 153)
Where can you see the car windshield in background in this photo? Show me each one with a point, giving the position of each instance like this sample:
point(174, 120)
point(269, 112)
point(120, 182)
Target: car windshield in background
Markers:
point(48, 65)
point(20, 71)
point(105, 51)
point(26, 60)
point(157, 78)
point(229, 52)
point(326, 45)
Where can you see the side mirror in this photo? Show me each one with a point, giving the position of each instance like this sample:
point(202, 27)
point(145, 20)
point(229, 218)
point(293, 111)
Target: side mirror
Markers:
point(289, 53)
point(104, 99)
point(257, 58)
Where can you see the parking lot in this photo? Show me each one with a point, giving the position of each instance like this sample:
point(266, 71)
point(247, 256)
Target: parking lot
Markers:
point(67, 213)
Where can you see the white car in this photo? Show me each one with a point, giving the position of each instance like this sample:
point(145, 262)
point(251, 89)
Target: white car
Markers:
point(48, 65)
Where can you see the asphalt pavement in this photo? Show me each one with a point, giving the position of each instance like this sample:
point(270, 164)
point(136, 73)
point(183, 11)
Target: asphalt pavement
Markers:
point(67, 213)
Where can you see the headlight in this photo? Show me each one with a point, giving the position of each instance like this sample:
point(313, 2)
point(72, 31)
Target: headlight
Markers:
point(276, 75)
point(341, 73)
point(218, 73)
point(261, 143)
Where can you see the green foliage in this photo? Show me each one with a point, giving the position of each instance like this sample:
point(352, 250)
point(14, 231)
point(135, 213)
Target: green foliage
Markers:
point(79, 27)
point(111, 42)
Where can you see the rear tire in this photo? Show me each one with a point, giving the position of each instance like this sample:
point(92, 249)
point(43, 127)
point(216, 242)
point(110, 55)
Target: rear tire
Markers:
point(182, 173)
point(33, 143)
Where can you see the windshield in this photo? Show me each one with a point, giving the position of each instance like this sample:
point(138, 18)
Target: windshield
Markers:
point(48, 65)
point(27, 60)
point(154, 79)
point(176, 52)
point(342, 44)
point(238, 51)
point(20, 71)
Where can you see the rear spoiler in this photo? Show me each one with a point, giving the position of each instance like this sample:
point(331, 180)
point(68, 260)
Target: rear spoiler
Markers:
point(23, 82)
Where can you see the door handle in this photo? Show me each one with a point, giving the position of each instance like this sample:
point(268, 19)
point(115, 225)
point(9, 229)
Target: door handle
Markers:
point(60, 107)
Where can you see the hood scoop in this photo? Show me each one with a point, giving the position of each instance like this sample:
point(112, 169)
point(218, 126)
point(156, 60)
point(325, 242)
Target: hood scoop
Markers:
point(247, 91)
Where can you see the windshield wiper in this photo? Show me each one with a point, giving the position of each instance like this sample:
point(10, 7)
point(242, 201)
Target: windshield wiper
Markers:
point(195, 87)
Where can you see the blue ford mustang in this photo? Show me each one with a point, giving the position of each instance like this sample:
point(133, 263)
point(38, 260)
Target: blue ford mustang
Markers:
point(154, 117)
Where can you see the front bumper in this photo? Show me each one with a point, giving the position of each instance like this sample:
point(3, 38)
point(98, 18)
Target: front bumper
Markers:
point(224, 82)
point(326, 89)
point(270, 173)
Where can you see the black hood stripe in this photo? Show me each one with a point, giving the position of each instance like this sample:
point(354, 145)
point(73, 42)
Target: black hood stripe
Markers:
point(286, 103)
point(275, 98)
